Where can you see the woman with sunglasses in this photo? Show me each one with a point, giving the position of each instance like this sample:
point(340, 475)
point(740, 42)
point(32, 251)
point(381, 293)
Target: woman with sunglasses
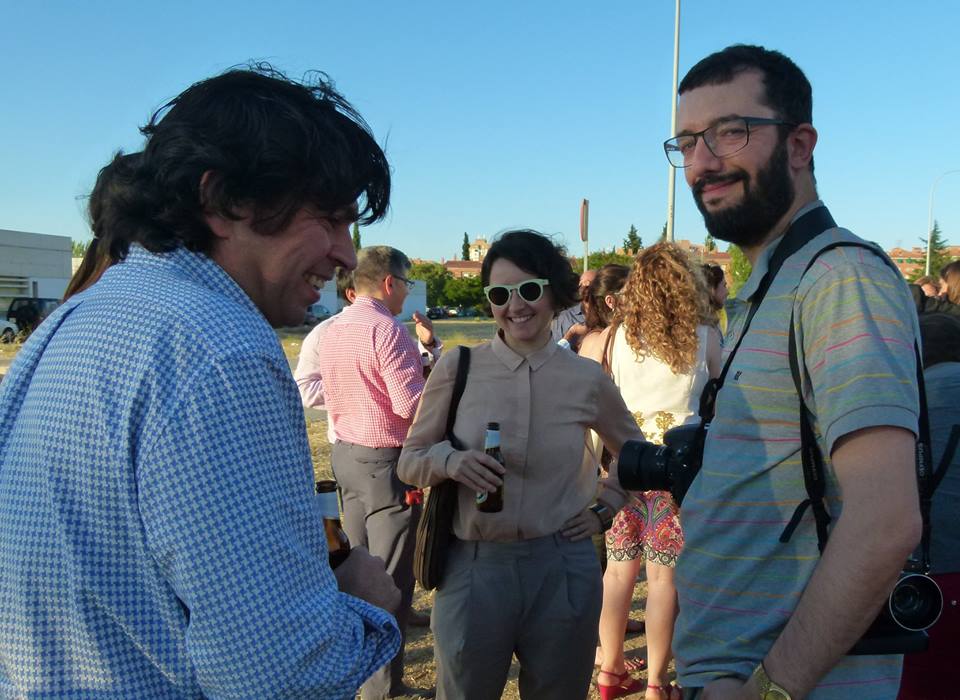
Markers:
point(662, 352)
point(524, 580)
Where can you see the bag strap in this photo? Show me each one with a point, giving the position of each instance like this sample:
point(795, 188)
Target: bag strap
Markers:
point(463, 367)
point(812, 459)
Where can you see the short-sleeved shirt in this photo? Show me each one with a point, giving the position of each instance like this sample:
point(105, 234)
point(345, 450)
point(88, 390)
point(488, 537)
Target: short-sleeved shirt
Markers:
point(159, 536)
point(737, 583)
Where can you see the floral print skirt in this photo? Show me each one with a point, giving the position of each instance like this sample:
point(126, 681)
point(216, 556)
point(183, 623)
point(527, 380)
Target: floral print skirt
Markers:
point(649, 527)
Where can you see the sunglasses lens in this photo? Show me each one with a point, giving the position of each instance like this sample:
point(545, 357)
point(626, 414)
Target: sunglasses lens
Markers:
point(498, 296)
point(530, 291)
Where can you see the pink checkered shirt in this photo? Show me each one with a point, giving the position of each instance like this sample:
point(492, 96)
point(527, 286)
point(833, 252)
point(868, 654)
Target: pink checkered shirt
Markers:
point(372, 375)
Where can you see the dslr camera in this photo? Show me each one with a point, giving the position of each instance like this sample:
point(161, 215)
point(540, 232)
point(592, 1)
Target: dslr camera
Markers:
point(672, 466)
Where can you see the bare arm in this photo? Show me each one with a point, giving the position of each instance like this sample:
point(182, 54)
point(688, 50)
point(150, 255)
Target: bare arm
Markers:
point(877, 530)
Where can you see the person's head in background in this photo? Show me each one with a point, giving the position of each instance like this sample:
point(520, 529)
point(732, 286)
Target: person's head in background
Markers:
point(382, 273)
point(928, 285)
point(950, 282)
point(600, 300)
point(716, 284)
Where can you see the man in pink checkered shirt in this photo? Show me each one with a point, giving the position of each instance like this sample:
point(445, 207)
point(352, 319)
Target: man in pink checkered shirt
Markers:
point(372, 380)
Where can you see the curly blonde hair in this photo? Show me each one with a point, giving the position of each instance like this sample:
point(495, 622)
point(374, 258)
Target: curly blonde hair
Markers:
point(661, 305)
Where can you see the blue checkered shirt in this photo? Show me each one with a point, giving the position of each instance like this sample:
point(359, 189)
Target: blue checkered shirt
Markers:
point(158, 533)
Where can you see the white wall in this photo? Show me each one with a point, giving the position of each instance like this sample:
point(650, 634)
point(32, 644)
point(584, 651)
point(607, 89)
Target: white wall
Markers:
point(29, 260)
point(416, 300)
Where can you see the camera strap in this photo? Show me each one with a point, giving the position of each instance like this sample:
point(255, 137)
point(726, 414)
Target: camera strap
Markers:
point(800, 232)
point(813, 472)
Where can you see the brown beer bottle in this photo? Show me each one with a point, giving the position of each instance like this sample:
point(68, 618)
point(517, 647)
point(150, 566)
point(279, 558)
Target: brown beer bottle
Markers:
point(337, 541)
point(492, 502)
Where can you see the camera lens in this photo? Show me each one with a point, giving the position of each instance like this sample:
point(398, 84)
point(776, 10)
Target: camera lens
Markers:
point(916, 602)
point(642, 466)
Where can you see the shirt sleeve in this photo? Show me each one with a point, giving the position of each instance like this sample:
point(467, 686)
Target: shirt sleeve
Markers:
point(615, 425)
point(423, 460)
point(856, 325)
point(226, 502)
point(307, 374)
point(402, 371)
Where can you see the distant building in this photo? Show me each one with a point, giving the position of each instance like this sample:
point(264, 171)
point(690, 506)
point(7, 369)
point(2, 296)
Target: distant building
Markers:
point(463, 268)
point(478, 249)
point(33, 265)
point(912, 262)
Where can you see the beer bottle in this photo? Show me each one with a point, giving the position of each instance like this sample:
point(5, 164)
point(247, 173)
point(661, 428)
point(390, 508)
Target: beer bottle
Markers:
point(337, 541)
point(492, 502)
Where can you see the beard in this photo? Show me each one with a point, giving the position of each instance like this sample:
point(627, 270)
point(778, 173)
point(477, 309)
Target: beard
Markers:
point(763, 205)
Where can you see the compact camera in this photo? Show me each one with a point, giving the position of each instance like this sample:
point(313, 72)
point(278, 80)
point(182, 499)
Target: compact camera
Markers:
point(914, 605)
point(672, 466)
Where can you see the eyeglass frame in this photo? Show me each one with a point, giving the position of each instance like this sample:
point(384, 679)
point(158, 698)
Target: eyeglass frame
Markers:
point(699, 136)
point(410, 283)
point(511, 288)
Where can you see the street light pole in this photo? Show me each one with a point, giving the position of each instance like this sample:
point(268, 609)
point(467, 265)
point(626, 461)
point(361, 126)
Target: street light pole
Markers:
point(671, 171)
point(933, 188)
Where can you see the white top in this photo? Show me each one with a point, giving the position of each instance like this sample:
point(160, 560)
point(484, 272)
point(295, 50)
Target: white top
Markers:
point(658, 398)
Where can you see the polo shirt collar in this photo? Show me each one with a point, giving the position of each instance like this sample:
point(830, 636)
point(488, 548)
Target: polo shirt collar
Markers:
point(763, 260)
point(513, 360)
point(374, 304)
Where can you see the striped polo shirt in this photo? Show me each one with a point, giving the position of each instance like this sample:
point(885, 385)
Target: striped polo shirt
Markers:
point(737, 583)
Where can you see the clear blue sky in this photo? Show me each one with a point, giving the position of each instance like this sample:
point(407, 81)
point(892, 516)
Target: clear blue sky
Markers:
point(494, 114)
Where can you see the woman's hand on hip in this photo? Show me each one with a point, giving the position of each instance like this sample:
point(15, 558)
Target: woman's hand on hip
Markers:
point(584, 524)
point(476, 470)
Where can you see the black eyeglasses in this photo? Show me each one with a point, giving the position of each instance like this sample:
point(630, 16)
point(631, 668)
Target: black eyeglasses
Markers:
point(724, 138)
point(410, 283)
point(529, 290)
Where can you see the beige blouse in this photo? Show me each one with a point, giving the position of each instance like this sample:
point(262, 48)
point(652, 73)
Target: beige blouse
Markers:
point(545, 403)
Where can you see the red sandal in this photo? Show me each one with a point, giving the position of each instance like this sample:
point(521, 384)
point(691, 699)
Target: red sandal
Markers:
point(672, 691)
point(625, 685)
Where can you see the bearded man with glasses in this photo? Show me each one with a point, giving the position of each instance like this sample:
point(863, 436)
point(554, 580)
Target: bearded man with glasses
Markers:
point(761, 618)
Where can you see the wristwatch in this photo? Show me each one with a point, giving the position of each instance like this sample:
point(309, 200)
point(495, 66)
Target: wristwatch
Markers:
point(768, 689)
point(603, 512)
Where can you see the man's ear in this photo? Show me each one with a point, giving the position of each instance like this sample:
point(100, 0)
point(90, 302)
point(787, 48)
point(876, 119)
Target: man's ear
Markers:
point(219, 225)
point(800, 144)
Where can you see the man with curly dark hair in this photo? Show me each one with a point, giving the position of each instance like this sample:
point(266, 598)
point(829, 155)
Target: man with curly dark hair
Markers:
point(159, 536)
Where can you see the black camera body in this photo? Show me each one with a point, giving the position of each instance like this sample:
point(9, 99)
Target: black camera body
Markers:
point(672, 466)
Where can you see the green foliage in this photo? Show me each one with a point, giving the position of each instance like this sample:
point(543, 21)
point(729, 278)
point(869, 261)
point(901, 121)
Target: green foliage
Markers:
point(632, 243)
point(79, 248)
point(938, 254)
point(436, 276)
point(465, 249)
point(663, 233)
point(356, 236)
point(601, 258)
point(740, 268)
point(463, 291)
point(709, 244)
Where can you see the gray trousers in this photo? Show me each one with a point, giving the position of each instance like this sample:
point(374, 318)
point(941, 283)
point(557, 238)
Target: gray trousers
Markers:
point(539, 599)
point(376, 516)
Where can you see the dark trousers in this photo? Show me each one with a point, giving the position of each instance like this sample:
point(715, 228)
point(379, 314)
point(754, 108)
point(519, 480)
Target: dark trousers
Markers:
point(375, 515)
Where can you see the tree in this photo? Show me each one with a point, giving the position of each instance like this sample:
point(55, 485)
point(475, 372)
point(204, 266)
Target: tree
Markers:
point(709, 244)
point(663, 233)
point(79, 248)
point(356, 236)
point(601, 258)
point(938, 254)
point(436, 276)
point(740, 268)
point(632, 243)
point(463, 291)
point(465, 249)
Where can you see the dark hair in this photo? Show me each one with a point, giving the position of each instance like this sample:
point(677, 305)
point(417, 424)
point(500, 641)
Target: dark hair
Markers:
point(940, 337)
point(344, 279)
point(950, 273)
point(609, 280)
point(269, 144)
point(532, 251)
point(714, 277)
point(786, 89)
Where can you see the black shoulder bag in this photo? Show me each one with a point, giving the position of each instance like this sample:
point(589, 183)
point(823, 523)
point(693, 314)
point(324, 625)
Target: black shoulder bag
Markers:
point(435, 529)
